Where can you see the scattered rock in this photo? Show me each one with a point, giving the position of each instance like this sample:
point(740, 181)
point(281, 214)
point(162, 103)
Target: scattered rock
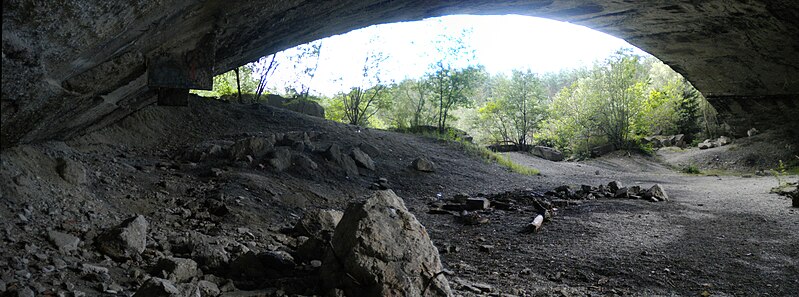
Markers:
point(70, 171)
point(126, 240)
point(615, 186)
point(477, 204)
point(176, 269)
point(724, 140)
point(255, 146)
point(423, 164)
point(208, 288)
point(63, 241)
point(320, 223)
point(752, 132)
point(369, 149)
point(380, 249)
point(280, 159)
point(362, 159)
point(157, 287)
point(303, 162)
point(707, 144)
point(334, 154)
point(656, 193)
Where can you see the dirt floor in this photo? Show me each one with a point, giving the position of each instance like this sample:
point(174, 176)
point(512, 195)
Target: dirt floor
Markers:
point(718, 235)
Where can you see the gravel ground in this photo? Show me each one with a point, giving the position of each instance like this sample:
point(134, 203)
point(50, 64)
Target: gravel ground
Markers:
point(724, 235)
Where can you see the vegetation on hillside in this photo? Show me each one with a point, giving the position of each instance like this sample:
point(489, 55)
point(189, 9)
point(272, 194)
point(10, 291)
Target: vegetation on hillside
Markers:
point(618, 100)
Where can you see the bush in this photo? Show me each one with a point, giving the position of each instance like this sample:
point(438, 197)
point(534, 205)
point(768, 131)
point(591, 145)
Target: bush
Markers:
point(691, 169)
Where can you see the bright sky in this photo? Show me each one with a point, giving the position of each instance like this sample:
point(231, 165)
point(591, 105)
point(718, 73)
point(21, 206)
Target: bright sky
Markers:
point(501, 43)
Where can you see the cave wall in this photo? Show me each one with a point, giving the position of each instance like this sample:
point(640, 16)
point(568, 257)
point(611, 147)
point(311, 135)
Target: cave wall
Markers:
point(73, 66)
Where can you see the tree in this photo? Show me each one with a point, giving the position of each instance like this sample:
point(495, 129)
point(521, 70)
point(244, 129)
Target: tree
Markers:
point(619, 84)
point(264, 71)
point(363, 101)
point(452, 88)
point(523, 98)
point(451, 77)
point(305, 61)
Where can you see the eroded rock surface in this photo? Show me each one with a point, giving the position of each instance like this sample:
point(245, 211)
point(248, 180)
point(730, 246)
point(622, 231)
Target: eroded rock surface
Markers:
point(73, 67)
point(380, 249)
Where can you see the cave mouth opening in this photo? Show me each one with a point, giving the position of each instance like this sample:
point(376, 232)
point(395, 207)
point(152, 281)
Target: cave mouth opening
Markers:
point(564, 61)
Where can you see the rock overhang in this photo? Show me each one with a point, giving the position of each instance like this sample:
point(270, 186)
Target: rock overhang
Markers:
point(69, 68)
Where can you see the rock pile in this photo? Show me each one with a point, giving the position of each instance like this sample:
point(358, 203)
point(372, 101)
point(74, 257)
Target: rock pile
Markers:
point(614, 189)
point(659, 141)
point(296, 151)
point(710, 143)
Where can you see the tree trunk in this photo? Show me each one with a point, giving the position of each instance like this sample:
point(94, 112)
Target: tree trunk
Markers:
point(238, 84)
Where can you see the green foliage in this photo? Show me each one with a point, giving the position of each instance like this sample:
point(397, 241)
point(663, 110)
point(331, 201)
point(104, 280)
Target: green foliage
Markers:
point(225, 84)
point(691, 169)
point(517, 111)
point(779, 174)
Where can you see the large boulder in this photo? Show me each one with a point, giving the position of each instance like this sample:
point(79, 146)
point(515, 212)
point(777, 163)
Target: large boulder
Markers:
point(380, 249)
point(126, 240)
point(547, 153)
point(298, 105)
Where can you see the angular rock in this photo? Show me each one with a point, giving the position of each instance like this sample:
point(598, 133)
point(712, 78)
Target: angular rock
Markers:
point(369, 149)
point(752, 132)
point(547, 153)
point(423, 164)
point(679, 140)
point(63, 241)
point(278, 260)
point(477, 204)
point(255, 146)
point(615, 186)
point(70, 171)
point(622, 192)
point(705, 144)
point(207, 150)
point(319, 223)
point(304, 163)
point(280, 159)
point(176, 269)
point(380, 249)
point(362, 159)
point(334, 154)
point(126, 240)
point(208, 288)
point(723, 140)
point(251, 269)
point(157, 287)
point(656, 193)
point(297, 105)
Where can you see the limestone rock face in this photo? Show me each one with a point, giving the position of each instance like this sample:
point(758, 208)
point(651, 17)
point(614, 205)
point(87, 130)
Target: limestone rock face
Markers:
point(385, 250)
point(90, 69)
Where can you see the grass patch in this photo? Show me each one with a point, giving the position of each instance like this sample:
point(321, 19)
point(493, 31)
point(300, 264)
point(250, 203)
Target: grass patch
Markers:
point(504, 161)
point(481, 152)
